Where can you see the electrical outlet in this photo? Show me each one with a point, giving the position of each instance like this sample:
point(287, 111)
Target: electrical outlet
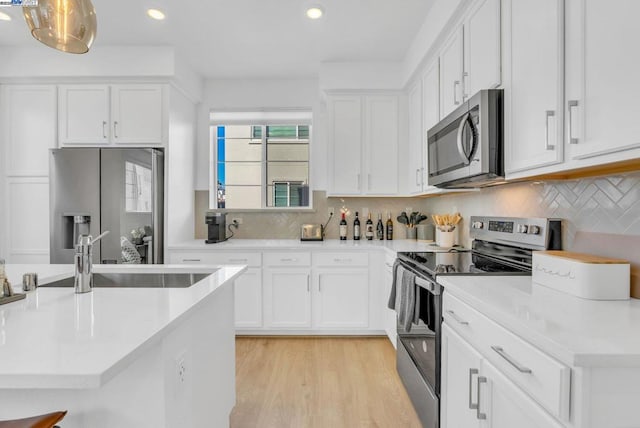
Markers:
point(237, 220)
point(331, 211)
point(365, 212)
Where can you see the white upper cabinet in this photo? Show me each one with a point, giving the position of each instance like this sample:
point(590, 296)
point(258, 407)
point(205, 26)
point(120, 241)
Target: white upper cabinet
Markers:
point(135, 114)
point(345, 138)
point(451, 68)
point(381, 145)
point(28, 129)
point(534, 83)
point(84, 114)
point(416, 161)
point(482, 48)
point(602, 89)
point(363, 144)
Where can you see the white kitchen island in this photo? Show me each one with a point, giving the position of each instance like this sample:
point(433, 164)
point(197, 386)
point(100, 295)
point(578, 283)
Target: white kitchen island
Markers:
point(121, 357)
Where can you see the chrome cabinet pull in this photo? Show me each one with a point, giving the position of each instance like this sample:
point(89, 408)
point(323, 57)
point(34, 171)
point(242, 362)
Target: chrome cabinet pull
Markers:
point(342, 260)
point(104, 129)
point(479, 414)
point(358, 176)
point(455, 92)
point(191, 260)
point(510, 360)
point(472, 406)
point(549, 113)
point(115, 129)
point(418, 177)
point(572, 104)
point(368, 181)
point(288, 260)
point(308, 284)
point(457, 318)
point(238, 260)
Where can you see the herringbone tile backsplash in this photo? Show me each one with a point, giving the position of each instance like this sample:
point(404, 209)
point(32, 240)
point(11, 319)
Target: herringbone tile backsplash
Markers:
point(603, 204)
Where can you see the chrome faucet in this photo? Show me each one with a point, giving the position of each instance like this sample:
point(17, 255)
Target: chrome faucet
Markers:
point(84, 262)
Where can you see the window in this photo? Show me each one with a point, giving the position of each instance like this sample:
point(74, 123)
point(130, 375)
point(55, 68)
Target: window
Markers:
point(260, 166)
point(137, 188)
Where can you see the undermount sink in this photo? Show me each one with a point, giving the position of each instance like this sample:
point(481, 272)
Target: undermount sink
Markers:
point(136, 280)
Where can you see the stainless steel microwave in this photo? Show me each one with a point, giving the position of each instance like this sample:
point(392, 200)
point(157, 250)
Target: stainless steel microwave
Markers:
point(465, 149)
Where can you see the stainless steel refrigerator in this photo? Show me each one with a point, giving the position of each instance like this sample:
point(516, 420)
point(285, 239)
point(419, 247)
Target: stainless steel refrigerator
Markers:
point(119, 190)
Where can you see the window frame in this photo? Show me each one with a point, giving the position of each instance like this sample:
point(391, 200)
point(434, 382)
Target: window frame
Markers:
point(263, 119)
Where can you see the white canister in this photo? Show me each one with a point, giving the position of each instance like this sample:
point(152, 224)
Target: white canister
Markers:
point(445, 239)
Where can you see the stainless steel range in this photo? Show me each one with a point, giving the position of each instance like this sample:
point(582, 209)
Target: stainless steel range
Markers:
point(501, 246)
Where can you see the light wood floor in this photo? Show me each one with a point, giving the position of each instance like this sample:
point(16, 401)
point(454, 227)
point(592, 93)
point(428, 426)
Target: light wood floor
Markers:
point(319, 383)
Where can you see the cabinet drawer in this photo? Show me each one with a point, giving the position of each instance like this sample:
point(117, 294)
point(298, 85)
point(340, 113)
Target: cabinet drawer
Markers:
point(545, 379)
point(211, 258)
point(287, 259)
point(341, 259)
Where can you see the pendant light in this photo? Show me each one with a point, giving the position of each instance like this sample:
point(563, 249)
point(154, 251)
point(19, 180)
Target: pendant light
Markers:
point(65, 25)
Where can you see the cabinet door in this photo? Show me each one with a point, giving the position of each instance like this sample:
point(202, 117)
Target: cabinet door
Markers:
point(507, 406)
point(29, 128)
point(287, 298)
point(534, 83)
point(381, 145)
point(416, 162)
point(83, 114)
point(461, 365)
point(341, 298)
point(345, 141)
point(138, 114)
point(248, 299)
point(482, 63)
point(431, 112)
point(451, 74)
point(602, 88)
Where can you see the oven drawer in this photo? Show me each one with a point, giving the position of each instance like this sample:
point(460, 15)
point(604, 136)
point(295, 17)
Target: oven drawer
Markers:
point(545, 379)
point(425, 402)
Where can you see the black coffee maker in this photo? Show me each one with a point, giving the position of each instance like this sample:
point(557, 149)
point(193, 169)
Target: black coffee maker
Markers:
point(216, 225)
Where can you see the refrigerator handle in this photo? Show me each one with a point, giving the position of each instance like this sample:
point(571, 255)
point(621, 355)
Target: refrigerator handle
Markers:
point(157, 169)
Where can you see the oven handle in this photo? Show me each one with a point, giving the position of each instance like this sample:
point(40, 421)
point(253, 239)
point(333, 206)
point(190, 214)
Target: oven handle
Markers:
point(426, 283)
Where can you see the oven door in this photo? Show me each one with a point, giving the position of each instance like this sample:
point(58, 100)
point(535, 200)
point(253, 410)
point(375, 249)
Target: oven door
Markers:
point(418, 354)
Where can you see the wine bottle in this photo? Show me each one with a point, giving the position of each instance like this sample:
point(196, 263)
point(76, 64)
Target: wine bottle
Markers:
point(356, 228)
point(343, 228)
point(369, 229)
point(380, 228)
point(389, 228)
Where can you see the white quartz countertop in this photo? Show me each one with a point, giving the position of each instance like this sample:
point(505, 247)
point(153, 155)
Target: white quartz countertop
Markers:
point(56, 339)
point(578, 332)
point(394, 246)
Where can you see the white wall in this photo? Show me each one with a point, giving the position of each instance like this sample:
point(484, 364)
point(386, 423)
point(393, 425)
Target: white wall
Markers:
point(179, 175)
point(238, 95)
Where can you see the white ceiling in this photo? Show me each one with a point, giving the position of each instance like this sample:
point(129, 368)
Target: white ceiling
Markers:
point(254, 38)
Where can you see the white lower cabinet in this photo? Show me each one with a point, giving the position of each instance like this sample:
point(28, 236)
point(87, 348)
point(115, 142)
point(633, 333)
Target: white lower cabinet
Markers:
point(341, 298)
point(287, 298)
point(476, 394)
point(248, 299)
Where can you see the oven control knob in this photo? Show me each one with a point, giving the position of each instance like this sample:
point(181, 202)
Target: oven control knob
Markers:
point(522, 228)
point(477, 225)
point(533, 230)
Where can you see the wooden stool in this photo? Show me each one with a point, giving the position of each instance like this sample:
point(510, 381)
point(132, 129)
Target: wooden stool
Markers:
point(42, 421)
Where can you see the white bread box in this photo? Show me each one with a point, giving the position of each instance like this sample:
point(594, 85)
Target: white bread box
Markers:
point(582, 275)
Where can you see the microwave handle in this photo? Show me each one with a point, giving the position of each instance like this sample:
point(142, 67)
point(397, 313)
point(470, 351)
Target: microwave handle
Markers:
point(461, 150)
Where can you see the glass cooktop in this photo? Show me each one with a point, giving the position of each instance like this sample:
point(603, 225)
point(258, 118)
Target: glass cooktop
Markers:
point(462, 263)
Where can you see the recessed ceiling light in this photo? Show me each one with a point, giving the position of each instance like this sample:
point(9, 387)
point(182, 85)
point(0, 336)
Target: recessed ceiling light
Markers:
point(156, 14)
point(4, 17)
point(315, 12)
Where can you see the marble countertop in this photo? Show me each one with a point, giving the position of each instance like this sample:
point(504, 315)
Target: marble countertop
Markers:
point(578, 332)
point(394, 246)
point(58, 339)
